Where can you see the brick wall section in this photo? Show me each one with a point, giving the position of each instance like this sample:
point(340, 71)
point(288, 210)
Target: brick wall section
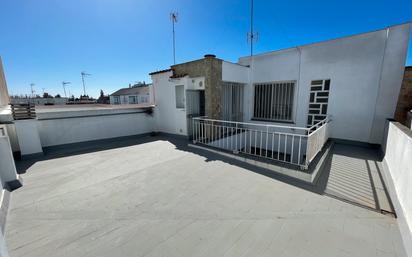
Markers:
point(211, 69)
point(405, 96)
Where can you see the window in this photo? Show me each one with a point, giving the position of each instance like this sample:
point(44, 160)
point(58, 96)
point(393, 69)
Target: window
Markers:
point(132, 99)
point(274, 101)
point(116, 99)
point(180, 96)
point(144, 99)
point(232, 101)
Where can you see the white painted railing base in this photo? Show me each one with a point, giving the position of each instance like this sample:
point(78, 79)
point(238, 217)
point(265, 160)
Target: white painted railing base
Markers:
point(305, 176)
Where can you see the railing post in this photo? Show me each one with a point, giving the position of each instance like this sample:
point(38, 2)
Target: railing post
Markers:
point(236, 151)
point(267, 137)
point(211, 141)
point(193, 131)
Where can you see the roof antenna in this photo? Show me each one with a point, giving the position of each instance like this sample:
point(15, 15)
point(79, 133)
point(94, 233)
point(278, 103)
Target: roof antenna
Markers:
point(32, 89)
point(83, 73)
point(252, 36)
point(64, 83)
point(173, 17)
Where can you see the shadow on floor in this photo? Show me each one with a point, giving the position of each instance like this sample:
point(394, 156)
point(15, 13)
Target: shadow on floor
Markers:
point(347, 173)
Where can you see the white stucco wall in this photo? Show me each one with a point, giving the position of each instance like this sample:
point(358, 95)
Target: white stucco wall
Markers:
point(365, 72)
point(397, 147)
point(95, 124)
point(169, 119)
point(233, 72)
point(4, 94)
point(28, 136)
point(7, 168)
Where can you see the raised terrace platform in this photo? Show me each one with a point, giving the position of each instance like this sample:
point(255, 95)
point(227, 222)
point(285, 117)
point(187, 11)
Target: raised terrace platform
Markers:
point(154, 196)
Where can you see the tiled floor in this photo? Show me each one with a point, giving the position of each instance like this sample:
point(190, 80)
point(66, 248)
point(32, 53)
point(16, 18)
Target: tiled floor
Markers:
point(156, 197)
point(355, 175)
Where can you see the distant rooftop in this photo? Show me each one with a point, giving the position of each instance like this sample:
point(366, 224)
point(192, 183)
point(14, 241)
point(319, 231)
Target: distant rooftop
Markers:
point(132, 90)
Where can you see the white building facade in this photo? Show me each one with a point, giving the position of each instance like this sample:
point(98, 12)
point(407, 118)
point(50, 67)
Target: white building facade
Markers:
point(354, 80)
point(132, 95)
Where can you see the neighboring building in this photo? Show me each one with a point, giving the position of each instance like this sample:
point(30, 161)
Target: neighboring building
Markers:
point(355, 80)
point(131, 95)
point(405, 97)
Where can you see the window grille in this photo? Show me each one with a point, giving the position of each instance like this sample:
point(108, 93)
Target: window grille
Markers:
point(232, 101)
point(274, 101)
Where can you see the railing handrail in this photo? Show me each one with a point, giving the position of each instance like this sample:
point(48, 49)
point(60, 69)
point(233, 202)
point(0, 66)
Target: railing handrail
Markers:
point(316, 127)
point(324, 121)
point(288, 146)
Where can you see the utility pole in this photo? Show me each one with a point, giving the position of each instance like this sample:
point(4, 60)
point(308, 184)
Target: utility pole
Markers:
point(84, 74)
point(64, 83)
point(252, 36)
point(173, 17)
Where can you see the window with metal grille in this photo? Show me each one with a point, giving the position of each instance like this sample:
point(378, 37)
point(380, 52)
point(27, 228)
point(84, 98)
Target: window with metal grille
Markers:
point(232, 101)
point(274, 101)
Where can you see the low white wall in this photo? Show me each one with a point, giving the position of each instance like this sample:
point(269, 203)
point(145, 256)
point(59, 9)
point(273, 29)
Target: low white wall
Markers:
point(7, 167)
point(93, 126)
point(28, 137)
point(397, 148)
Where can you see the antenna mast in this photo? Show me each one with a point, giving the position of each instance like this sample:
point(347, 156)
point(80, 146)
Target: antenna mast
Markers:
point(64, 83)
point(173, 17)
point(84, 74)
point(32, 89)
point(252, 36)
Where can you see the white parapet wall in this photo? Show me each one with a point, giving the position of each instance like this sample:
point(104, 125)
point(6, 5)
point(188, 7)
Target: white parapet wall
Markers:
point(66, 126)
point(397, 164)
point(28, 137)
point(7, 167)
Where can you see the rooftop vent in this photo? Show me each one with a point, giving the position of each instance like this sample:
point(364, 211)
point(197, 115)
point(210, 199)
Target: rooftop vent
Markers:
point(210, 56)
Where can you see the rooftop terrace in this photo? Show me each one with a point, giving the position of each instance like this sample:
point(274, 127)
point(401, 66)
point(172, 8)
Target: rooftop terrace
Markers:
point(154, 196)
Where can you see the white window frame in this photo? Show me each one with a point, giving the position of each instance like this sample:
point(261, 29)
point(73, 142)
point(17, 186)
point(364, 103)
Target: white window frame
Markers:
point(116, 99)
point(132, 97)
point(270, 114)
point(180, 105)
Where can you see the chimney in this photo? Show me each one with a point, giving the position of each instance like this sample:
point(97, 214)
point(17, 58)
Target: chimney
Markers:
point(210, 56)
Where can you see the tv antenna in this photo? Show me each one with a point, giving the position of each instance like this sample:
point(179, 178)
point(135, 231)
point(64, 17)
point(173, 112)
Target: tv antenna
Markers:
point(173, 17)
point(251, 36)
point(84, 74)
point(64, 83)
point(32, 89)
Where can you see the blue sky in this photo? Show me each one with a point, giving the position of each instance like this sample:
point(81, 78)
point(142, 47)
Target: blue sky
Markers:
point(121, 41)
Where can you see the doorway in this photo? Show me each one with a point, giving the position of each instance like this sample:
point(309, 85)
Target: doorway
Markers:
point(195, 107)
